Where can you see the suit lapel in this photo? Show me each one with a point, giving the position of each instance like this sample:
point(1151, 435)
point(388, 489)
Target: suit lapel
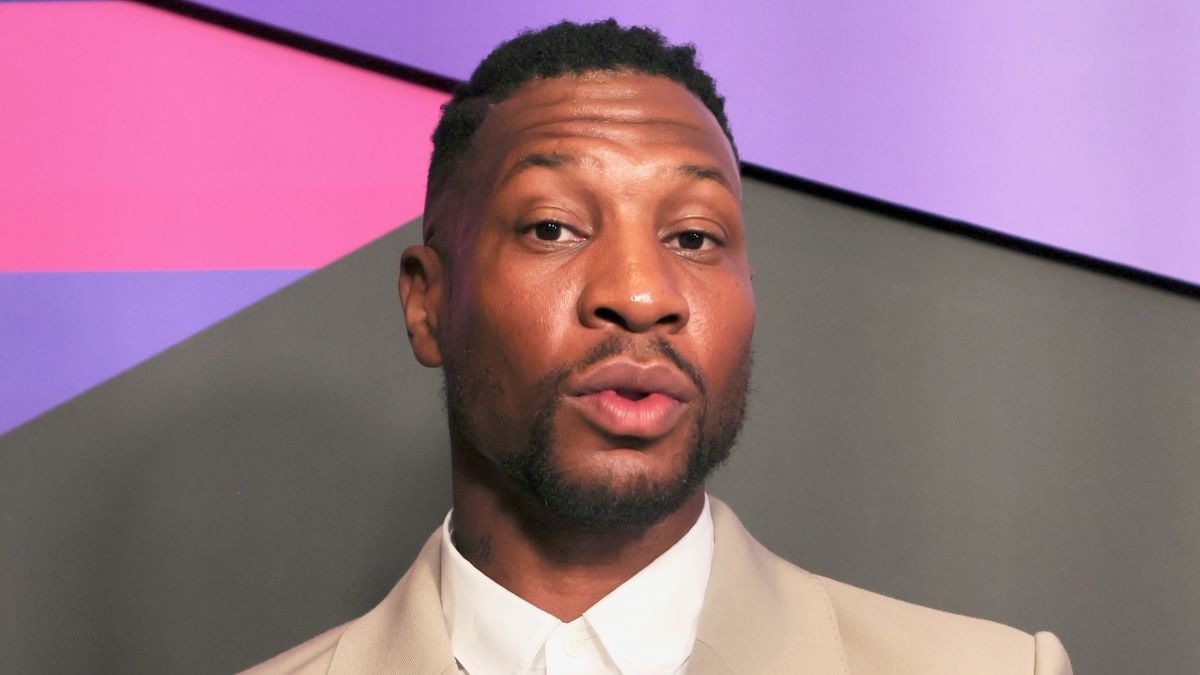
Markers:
point(762, 614)
point(406, 633)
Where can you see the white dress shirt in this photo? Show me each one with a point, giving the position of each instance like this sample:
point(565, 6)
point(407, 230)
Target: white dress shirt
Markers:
point(646, 626)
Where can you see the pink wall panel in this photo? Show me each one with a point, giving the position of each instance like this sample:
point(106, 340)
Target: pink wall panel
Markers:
point(136, 139)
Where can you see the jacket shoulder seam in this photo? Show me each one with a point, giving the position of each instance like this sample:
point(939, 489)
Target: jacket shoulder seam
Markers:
point(831, 617)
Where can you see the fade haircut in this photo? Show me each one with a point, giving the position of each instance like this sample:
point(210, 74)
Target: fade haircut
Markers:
point(564, 48)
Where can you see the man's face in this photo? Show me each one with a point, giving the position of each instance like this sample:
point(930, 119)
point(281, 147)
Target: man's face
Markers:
point(596, 325)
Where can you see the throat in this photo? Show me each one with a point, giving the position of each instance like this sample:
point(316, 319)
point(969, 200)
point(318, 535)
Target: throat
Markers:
point(560, 571)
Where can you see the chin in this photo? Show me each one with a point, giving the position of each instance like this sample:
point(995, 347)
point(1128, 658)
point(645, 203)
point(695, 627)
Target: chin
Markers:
point(627, 469)
point(606, 488)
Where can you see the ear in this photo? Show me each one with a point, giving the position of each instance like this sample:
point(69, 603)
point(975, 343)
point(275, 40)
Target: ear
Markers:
point(422, 288)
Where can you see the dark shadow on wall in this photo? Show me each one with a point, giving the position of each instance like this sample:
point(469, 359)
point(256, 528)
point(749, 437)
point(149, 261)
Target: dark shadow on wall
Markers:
point(960, 228)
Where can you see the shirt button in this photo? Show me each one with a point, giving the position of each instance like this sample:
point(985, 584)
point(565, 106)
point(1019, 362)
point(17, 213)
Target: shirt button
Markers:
point(575, 643)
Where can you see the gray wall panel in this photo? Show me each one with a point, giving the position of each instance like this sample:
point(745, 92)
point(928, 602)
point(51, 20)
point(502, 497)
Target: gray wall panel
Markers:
point(977, 430)
point(933, 418)
point(260, 482)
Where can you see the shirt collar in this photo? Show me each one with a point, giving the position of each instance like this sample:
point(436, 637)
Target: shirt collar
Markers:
point(491, 629)
point(647, 624)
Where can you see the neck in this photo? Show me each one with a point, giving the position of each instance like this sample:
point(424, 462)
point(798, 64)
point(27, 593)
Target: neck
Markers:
point(559, 568)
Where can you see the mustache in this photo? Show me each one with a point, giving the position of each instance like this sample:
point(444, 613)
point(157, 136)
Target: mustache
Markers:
point(638, 349)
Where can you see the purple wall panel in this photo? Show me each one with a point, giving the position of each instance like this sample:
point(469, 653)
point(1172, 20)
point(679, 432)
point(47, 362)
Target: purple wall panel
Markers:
point(63, 333)
point(1070, 123)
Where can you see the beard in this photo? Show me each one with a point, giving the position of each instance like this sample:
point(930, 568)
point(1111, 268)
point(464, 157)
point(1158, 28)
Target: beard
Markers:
point(599, 504)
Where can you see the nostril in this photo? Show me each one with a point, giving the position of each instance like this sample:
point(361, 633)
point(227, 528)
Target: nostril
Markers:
point(669, 319)
point(611, 315)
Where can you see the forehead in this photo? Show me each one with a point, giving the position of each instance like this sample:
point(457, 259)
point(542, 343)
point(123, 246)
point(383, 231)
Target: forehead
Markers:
point(638, 117)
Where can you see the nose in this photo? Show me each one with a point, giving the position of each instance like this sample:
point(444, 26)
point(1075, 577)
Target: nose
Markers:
point(633, 285)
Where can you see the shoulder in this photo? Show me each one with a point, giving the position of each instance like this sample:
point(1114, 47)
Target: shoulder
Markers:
point(849, 629)
point(313, 656)
point(405, 632)
point(885, 635)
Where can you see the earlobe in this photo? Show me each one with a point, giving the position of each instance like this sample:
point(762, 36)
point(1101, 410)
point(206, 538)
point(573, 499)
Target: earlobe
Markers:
point(422, 287)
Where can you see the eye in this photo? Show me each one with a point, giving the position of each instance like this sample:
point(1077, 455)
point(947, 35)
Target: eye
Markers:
point(694, 240)
point(548, 230)
point(552, 231)
point(691, 240)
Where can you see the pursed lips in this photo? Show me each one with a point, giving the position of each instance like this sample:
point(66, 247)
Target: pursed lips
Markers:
point(627, 398)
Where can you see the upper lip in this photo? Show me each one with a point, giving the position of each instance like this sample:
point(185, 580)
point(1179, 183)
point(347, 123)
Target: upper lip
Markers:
point(646, 378)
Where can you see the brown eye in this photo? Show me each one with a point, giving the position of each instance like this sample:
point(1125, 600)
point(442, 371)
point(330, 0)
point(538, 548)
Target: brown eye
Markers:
point(548, 230)
point(692, 241)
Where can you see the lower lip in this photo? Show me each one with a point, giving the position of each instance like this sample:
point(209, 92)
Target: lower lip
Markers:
point(648, 417)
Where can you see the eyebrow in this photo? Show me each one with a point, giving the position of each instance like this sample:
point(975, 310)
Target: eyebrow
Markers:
point(706, 172)
point(551, 160)
point(555, 160)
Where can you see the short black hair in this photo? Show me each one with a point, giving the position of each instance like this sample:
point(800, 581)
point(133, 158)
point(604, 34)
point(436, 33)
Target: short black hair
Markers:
point(561, 49)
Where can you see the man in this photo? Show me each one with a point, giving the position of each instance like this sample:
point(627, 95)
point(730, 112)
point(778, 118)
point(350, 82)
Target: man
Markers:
point(585, 287)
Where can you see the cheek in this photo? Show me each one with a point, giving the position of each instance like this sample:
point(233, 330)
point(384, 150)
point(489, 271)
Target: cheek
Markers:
point(520, 317)
point(723, 318)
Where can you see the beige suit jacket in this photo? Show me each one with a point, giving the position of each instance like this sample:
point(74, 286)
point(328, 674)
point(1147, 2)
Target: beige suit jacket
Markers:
point(761, 615)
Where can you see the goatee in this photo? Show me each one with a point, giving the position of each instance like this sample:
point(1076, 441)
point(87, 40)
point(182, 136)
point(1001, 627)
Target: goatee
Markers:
point(601, 506)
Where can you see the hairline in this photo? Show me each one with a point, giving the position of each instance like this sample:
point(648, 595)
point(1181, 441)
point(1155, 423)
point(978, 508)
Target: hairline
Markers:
point(452, 173)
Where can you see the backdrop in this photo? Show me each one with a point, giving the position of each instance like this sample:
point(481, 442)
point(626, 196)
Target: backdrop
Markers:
point(937, 417)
